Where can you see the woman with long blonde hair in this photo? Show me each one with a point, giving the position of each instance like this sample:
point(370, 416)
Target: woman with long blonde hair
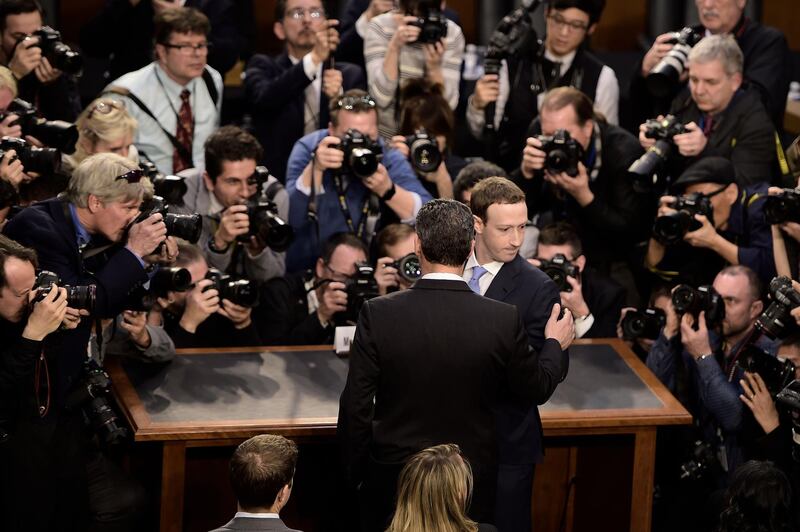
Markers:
point(434, 491)
point(105, 126)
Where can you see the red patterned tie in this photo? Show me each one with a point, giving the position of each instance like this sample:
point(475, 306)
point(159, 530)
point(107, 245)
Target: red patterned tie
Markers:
point(184, 133)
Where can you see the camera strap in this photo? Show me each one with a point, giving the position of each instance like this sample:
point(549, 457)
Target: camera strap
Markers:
point(362, 223)
point(42, 370)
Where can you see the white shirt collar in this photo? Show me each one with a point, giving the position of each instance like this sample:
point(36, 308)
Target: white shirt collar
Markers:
point(491, 267)
point(442, 277)
point(170, 84)
point(214, 206)
point(257, 516)
point(565, 60)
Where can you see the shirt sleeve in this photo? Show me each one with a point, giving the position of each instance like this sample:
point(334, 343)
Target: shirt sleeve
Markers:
point(476, 119)
point(607, 95)
point(451, 62)
point(362, 25)
point(376, 42)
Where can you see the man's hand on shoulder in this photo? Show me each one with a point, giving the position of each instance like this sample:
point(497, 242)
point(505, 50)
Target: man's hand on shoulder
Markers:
point(560, 329)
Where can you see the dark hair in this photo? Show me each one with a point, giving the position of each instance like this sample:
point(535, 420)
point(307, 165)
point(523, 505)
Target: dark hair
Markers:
point(753, 281)
point(593, 8)
point(18, 7)
point(494, 190)
point(280, 9)
point(230, 143)
point(180, 20)
point(358, 107)
point(188, 254)
point(424, 105)
point(758, 499)
point(445, 229)
point(471, 174)
point(391, 235)
point(11, 248)
point(561, 234)
point(561, 97)
point(260, 468)
point(417, 7)
point(341, 239)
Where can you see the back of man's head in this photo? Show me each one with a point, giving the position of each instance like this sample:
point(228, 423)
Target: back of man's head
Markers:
point(469, 176)
point(260, 468)
point(110, 177)
point(561, 234)
point(341, 239)
point(11, 248)
point(353, 101)
point(494, 190)
point(188, 254)
point(18, 7)
point(230, 143)
point(593, 8)
point(722, 48)
point(446, 230)
point(186, 20)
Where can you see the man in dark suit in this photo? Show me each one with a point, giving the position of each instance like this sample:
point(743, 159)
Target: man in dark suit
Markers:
point(429, 365)
point(288, 96)
point(497, 270)
point(262, 474)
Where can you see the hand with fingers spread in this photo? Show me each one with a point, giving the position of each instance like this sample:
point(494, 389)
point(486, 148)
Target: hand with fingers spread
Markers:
point(47, 314)
point(145, 237)
point(758, 399)
point(696, 342)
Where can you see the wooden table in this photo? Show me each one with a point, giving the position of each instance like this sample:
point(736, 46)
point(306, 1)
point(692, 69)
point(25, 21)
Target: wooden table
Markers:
point(307, 379)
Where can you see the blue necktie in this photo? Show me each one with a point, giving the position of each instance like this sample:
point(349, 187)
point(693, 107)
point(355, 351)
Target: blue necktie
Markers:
point(477, 273)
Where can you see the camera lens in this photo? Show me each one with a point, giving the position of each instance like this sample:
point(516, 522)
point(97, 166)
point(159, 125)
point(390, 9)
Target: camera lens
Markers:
point(82, 297)
point(363, 162)
point(670, 228)
point(241, 292)
point(408, 267)
point(185, 226)
point(684, 299)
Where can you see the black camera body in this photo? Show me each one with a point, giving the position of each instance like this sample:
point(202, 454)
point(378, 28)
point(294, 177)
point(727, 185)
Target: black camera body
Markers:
point(57, 134)
point(57, 53)
point(267, 226)
point(777, 321)
point(645, 324)
point(670, 229)
point(783, 207)
point(408, 267)
point(185, 226)
point(433, 26)
point(360, 287)
point(91, 395)
point(663, 131)
point(171, 188)
point(45, 161)
point(164, 280)
point(667, 73)
point(239, 291)
point(558, 269)
point(563, 153)
point(775, 373)
point(361, 154)
point(78, 297)
point(702, 462)
point(789, 398)
point(689, 300)
point(424, 151)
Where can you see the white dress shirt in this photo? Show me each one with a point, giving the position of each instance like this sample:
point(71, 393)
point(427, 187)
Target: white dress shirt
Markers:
point(312, 93)
point(492, 269)
point(443, 276)
point(257, 516)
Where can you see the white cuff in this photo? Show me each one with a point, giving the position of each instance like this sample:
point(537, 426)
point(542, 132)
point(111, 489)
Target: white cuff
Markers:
point(309, 68)
point(362, 24)
point(582, 325)
point(303, 189)
point(417, 207)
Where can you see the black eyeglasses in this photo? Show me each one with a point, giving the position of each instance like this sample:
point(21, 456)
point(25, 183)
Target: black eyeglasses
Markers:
point(187, 49)
point(132, 177)
point(348, 103)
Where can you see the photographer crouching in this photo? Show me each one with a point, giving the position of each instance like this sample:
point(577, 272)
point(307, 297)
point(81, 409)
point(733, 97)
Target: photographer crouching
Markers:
point(87, 240)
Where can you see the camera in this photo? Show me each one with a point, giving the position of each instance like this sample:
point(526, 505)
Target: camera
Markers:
point(789, 398)
point(563, 153)
point(53, 133)
point(267, 226)
point(91, 394)
point(57, 53)
point(558, 269)
point(670, 229)
point(425, 154)
point(688, 300)
point(776, 373)
point(164, 280)
point(777, 321)
point(408, 267)
point(185, 226)
point(78, 297)
point(663, 131)
point(783, 207)
point(667, 73)
point(239, 291)
point(360, 287)
point(361, 154)
point(645, 323)
point(170, 187)
point(433, 26)
point(703, 460)
point(45, 161)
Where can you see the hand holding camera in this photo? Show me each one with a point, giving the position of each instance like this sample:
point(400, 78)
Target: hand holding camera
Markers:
point(487, 90)
point(234, 222)
point(695, 341)
point(692, 142)
point(561, 329)
point(434, 55)
point(144, 237)
point(47, 313)
point(380, 183)
point(407, 32)
point(328, 155)
point(576, 186)
point(201, 302)
point(533, 157)
point(386, 275)
point(326, 41)
point(238, 314)
point(27, 56)
point(11, 169)
point(10, 126)
point(759, 400)
point(661, 47)
point(135, 323)
point(573, 299)
point(45, 72)
point(332, 299)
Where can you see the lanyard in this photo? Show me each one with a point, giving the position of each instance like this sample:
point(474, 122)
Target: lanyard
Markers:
point(362, 223)
point(169, 101)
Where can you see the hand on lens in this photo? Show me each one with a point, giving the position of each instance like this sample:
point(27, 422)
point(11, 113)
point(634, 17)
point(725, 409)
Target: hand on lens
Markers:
point(46, 315)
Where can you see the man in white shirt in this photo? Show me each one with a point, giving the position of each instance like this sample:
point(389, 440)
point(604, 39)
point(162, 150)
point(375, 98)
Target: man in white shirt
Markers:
point(177, 98)
point(262, 472)
point(518, 89)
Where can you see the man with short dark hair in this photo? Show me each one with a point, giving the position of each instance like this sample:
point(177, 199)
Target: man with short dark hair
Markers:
point(262, 471)
point(288, 96)
point(393, 243)
point(469, 176)
point(54, 92)
point(176, 99)
point(407, 391)
point(221, 193)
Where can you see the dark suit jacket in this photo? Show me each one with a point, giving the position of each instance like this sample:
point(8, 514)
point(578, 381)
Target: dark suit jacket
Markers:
point(533, 294)
point(254, 524)
point(605, 299)
point(435, 359)
point(275, 99)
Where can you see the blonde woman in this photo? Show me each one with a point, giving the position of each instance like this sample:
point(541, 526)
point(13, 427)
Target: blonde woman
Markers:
point(433, 494)
point(105, 126)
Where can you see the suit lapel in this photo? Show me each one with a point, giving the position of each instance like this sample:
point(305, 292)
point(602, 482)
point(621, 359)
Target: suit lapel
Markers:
point(504, 283)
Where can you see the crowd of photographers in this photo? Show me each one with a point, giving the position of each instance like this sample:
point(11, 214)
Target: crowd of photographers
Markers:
point(137, 223)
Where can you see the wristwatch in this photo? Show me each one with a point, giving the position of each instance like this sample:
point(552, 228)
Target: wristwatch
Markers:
point(214, 248)
point(703, 357)
point(389, 193)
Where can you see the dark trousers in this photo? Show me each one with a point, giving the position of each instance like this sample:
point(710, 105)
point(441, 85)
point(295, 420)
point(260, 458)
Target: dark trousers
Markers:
point(514, 493)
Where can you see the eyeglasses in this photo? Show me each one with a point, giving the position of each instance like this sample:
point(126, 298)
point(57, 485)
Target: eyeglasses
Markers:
point(316, 13)
point(132, 177)
point(105, 107)
point(188, 49)
point(573, 25)
point(337, 276)
point(348, 103)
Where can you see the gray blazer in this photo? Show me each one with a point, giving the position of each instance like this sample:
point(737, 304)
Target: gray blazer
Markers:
point(251, 523)
point(266, 265)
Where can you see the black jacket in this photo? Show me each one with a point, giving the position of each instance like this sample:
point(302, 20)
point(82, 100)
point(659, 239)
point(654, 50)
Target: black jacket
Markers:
point(17, 367)
point(605, 299)
point(215, 331)
point(58, 100)
point(274, 92)
point(282, 317)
